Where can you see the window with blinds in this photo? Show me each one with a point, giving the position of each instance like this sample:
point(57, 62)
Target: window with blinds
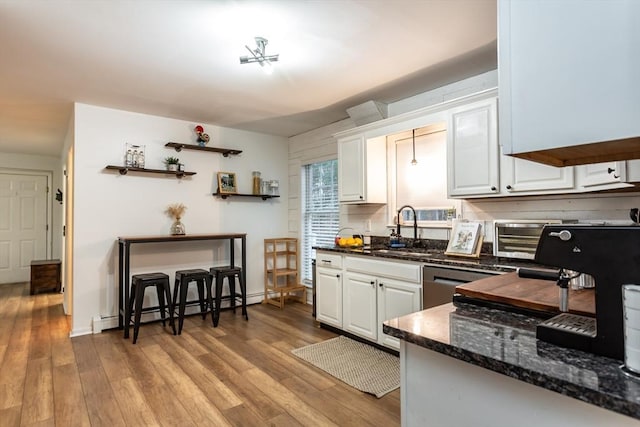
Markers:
point(321, 212)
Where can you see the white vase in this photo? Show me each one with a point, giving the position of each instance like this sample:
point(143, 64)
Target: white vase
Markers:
point(172, 167)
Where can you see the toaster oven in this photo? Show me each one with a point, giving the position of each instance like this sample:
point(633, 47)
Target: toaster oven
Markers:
point(518, 238)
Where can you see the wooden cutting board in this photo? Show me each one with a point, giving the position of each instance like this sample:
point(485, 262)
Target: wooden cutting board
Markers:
point(540, 295)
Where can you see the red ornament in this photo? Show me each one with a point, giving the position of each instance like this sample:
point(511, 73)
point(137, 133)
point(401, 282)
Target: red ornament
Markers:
point(199, 129)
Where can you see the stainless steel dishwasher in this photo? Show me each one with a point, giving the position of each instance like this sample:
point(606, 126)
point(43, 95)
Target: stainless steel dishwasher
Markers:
point(439, 282)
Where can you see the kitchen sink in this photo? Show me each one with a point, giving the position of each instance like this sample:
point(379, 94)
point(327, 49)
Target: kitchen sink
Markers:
point(402, 253)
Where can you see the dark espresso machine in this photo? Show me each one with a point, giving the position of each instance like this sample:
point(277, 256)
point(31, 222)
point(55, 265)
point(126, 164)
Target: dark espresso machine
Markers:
point(611, 254)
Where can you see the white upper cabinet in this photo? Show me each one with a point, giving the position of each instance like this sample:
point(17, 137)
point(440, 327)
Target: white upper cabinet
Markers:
point(472, 150)
point(568, 76)
point(603, 176)
point(524, 176)
point(477, 169)
point(362, 170)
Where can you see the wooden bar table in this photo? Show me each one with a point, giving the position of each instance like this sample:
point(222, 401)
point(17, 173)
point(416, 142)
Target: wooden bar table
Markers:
point(124, 262)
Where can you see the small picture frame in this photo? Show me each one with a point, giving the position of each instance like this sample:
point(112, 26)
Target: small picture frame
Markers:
point(466, 239)
point(227, 183)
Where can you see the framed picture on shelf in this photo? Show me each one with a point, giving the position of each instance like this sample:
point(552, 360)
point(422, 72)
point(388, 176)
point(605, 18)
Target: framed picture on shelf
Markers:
point(466, 239)
point(227, 183)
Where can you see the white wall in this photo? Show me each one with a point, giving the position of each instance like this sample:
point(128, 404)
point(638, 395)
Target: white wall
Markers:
point(28, 162)
point(108, 205)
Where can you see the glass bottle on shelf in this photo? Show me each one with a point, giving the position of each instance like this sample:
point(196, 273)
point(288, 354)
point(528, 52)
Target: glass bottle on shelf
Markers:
point(134, 163)
point(274, 186)
point(128, 159)
point(141, 159)
point(256, 182)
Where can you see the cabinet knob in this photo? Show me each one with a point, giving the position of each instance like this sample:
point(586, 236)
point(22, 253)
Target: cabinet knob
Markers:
point(361, 197)
point(338, 276)
point(380, 284)
point(610, 170)
point(493, 188)
point(373, 283)
point(509, 187)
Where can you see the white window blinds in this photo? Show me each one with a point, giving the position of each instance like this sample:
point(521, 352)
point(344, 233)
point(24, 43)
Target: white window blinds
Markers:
point(321, 213)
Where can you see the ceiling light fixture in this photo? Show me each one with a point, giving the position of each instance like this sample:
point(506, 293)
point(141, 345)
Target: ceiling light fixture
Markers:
point(414, 161)
point(258, 55)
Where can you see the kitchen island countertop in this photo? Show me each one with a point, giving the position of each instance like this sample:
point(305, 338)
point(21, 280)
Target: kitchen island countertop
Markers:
point(506, 343)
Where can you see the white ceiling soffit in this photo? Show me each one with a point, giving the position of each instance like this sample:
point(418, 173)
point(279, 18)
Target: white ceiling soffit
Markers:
point(180, 59)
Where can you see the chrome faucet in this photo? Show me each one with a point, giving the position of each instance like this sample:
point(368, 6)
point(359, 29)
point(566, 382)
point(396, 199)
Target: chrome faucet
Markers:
point(415, 222)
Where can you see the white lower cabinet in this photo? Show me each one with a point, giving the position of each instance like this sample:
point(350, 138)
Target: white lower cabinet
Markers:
point(360, 305)
point(377, 290)
point(329, 289)
point(395, 299)
point(358, 293)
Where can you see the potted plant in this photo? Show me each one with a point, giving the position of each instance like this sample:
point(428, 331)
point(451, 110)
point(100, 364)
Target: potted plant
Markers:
point(172, 163)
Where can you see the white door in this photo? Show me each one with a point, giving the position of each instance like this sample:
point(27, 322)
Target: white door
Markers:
point(359, 301)
point(396, 299)
point(351, 170)
point(329, 297)
point(23, 225)
point(472, 150)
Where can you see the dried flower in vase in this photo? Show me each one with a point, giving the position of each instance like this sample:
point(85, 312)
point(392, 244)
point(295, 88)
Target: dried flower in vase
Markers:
point(176, 211)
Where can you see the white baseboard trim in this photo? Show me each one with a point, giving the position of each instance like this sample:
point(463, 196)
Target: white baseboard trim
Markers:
point(102, 323)
point(80, 332)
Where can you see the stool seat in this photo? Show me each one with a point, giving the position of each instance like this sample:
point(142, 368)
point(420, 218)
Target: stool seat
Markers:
point(139, 283)
point(230, 273)
point(202, 278)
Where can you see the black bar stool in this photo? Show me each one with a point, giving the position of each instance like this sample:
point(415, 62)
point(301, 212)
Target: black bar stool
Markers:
point(139, 283)
point(230, 273)
point(183, 279)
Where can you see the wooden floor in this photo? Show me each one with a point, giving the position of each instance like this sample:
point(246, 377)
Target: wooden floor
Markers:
point(241, 373)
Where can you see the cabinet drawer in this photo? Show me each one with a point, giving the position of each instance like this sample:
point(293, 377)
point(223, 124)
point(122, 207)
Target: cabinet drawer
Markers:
point(397, 270)
point(328, 260)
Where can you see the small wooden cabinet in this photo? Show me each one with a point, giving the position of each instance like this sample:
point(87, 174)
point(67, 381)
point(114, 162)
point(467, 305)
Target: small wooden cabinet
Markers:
point(281, 271)
point(45, 276)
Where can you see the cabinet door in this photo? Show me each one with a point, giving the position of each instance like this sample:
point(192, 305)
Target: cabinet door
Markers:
point(558, 85)
point(523, 176)
point(472, 150)
point(351, 170)
point(395, 299)
point(600, 174)
point(329, 296)
point(360, 308)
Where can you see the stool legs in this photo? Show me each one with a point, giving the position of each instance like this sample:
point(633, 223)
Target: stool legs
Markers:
point(137, 298)
point(243, 289)
point(216, 312)
point(231, 281)
point(180, 290)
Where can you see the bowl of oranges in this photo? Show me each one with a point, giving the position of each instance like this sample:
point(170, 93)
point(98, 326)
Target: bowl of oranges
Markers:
point(354, 241)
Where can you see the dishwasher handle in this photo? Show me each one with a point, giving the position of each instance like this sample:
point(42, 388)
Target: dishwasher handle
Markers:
point(531, 273)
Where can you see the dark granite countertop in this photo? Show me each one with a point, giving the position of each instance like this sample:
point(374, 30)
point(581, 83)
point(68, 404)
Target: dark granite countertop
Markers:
point(506, 343)
point(435, 255)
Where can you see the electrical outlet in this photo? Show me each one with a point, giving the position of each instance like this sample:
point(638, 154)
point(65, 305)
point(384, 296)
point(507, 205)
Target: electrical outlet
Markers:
point(367, 225)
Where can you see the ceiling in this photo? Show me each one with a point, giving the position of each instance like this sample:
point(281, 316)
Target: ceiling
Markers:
point(180, 59)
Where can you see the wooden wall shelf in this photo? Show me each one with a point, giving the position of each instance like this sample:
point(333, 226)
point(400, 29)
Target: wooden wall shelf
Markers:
point(262, 196)
point(124, 170)
point(224, 151)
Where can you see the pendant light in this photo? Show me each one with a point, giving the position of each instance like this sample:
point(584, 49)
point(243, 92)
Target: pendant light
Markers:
point(414, 161)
